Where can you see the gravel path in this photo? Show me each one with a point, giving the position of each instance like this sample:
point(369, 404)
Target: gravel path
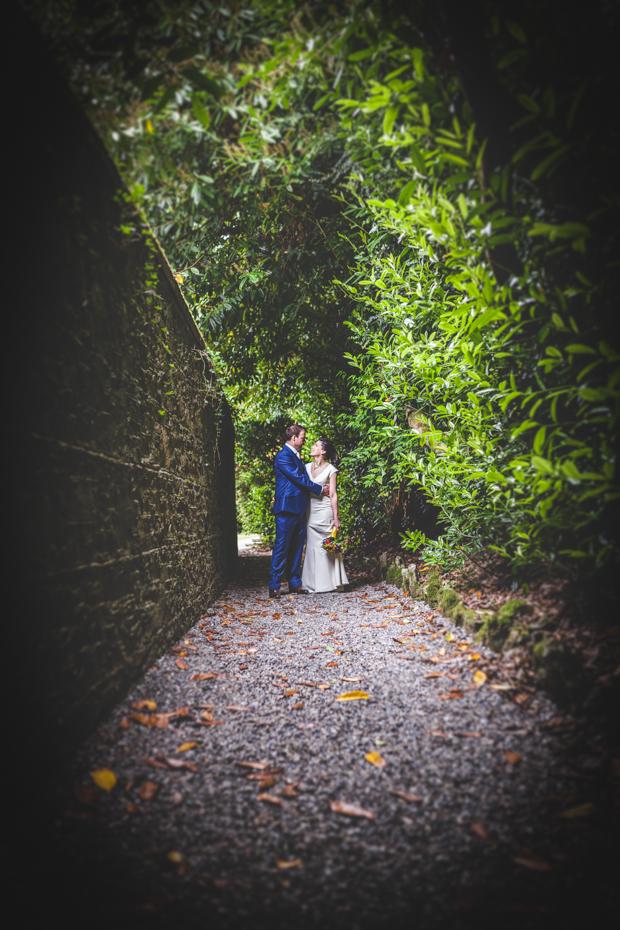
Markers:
point(459, 788)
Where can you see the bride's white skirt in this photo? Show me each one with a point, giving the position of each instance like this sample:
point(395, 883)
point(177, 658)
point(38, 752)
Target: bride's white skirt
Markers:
point(322, 571)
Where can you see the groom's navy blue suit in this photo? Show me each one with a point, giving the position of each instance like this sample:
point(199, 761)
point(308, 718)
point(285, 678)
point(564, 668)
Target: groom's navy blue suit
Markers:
point(293, 488)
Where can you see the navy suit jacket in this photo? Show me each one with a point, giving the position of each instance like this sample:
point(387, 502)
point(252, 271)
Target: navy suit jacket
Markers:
point(293, 486)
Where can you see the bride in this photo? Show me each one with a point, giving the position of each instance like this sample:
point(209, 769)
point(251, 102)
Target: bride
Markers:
point(322, 571)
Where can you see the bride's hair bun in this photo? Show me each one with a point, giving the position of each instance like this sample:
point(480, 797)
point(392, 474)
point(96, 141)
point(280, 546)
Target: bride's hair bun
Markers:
point(330, 451)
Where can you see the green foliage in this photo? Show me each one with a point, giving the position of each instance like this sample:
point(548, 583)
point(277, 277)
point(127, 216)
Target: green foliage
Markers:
point(361, 259)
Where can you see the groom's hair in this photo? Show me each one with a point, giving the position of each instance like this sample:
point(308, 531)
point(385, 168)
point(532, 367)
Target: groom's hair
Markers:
point(294, 430)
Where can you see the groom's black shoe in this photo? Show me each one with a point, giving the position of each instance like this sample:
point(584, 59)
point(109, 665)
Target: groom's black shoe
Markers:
point(292, 589)
point(274, 592)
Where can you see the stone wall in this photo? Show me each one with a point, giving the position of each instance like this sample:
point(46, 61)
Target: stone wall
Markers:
point(124, 526)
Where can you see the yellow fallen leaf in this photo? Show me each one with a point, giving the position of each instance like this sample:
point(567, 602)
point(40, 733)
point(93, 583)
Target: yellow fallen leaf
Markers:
point(352, 696)
point(104, 778)
point(174, 856)
point(474, 657)
point(375, 759)
point(479, 676)
point(149, 126)
point(584, 810)
point(449, 637)
point(288, 864)
point(185, 746)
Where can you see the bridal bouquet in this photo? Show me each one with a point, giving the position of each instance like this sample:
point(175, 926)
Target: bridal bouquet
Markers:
point(330, 543)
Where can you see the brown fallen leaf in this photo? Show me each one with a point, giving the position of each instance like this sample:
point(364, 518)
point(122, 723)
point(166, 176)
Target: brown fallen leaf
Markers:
point(148, 790)
point(351, 810)
point(323, 687)
point(139, 718)
point(436, 675)
point(290, 791)
point(238, 707)
point(473, 734)
point(181, 664)
point(154, 762)
point(270, 798)
point(480, 830)
point(85, 795)
point(297, 706)
point(352, 679)
point(331, 633)
point(331, 665)
point(181, 764)
point(288, 863)
point(375, 758)
point(254, 765)
point(207, 715)
point(536, 863)
point(584, 810)
point(202, 677)
point(159, 720)
point(439, 733)
point(406, 797)
point(131, 808)
point(144, 705)
point(309, 684)
point(276, 616)
point(512, 757)
point(265, 782)
point(290, 692)
point(104, 778)
point(255, 776)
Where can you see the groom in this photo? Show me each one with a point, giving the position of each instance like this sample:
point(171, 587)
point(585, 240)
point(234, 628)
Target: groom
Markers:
point(290, 504)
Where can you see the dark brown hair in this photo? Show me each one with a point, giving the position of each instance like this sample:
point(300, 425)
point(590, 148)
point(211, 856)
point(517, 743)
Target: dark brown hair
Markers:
point(294, 430)
point(330, 451)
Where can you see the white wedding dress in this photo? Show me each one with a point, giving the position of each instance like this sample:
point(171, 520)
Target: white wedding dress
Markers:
point(322, 571)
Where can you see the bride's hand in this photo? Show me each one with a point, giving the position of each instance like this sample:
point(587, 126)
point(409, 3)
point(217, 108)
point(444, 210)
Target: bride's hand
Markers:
point(337, 523)
point(326, 490)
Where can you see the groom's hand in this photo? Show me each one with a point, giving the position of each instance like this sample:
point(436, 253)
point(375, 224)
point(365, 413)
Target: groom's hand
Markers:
point(326, 492)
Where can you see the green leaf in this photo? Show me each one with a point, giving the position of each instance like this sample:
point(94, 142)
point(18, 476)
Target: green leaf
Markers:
point(406, 193)
point(418, 158)
point(200, 111)
point(359, 56)
point(319, 103)
point(388, 120)
point(539, 439)
point(541, 464)
point(203, 82)
point(165, 99)
point(579, 349)
point(182, 52)
point(547, 162)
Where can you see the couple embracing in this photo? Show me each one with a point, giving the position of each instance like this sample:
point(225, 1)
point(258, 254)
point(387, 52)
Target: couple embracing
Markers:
point(305, 504)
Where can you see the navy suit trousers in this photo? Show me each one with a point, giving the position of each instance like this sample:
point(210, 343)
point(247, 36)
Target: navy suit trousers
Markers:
point(288, 548)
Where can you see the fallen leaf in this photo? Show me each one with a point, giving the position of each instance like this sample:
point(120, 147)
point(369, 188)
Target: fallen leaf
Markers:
point(480, 830)
point(131, 808)
point(254, 776)
point(352, 679)
point(539, 865)
point(442, 651)
point(154, 762)
point(290, 692)
point(375, 759)
point(290, 791)
point(159, 720)
point(104, 778)
point(124, 724)
point(240, 707)
point(181, 664)
point(265, 782)
point(439, 733)
point(144, 705)
point(480, 676)
point(331, 633)
point(276, 616)
point(140, 718)
point(270, 798)
point(85, 795)
point(351, 810)
point(185, 746)
point(584, 810)
point(406, 797)
point(353, 696)
point(323, 687)
point(501, 687)
point(436, 675)
point(202, 677)
point(474, 656)
point(449, 637)
point(174, 856)
point(474, 734)
point(288, 863)
point(181, 764)
point(148, 790)
point(297, 706)
point(332, 665)
point(254, 765)
point(512, 757)
point(207, 715)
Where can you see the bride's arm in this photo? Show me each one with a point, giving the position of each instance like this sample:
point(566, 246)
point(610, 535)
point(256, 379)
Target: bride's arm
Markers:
point(333, 499)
